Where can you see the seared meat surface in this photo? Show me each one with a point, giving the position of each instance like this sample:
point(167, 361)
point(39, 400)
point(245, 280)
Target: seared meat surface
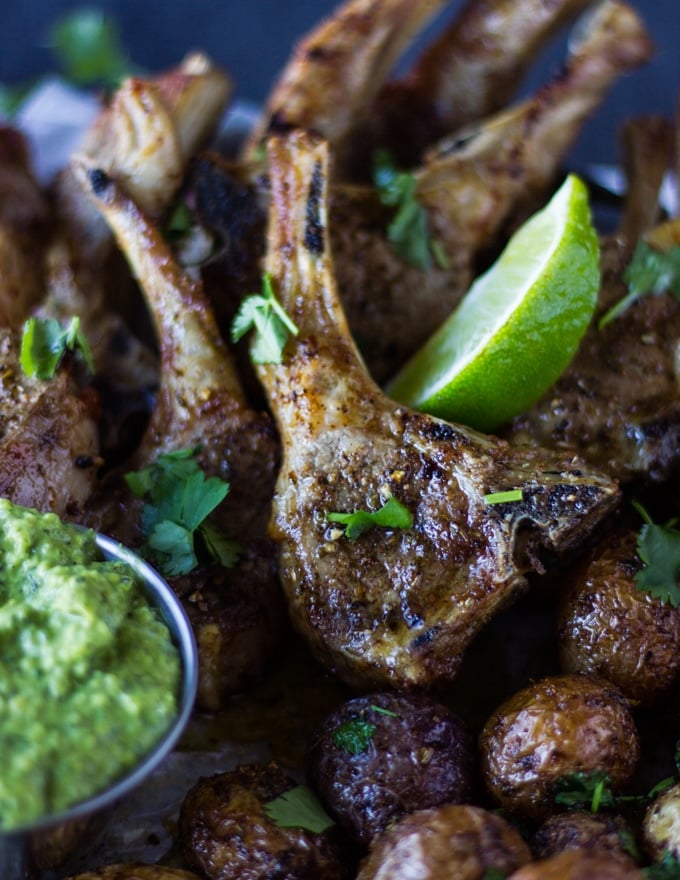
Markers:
point(617, 404)
point(396, 606)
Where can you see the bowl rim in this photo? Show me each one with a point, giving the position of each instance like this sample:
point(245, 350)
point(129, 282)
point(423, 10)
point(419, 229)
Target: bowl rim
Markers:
point(162, 598)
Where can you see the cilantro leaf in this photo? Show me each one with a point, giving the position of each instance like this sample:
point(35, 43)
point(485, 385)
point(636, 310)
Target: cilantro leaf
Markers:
point(44, 342)
point(658, 547)
point(408, 229)
point(392, 515)
point(649, 271)
point(494, 874)
point(353, 736)
point(179, 499)
point(298, 808)
point(265, 314)
point(88, 48)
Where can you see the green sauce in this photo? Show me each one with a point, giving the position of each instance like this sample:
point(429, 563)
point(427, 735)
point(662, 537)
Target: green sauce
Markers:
point(89, 675)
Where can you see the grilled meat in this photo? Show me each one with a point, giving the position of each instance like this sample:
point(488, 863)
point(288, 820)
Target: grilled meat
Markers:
point(201, 403)
point(397, 606)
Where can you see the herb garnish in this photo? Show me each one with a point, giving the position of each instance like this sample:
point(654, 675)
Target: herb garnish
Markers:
point(392, 515)
point(590, 791)
point(494, 874)
point(89, 50)
point(503, 497)
point(298, 808)
point(353, 736)
point(381, 711)
point(264, 313)
point(649, 271)
point(408, 229)
point(658, 547)
point(180, 498)
point(44, 342)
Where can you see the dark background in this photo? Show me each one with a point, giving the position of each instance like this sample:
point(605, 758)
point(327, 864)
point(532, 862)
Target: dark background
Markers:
point(253, 39)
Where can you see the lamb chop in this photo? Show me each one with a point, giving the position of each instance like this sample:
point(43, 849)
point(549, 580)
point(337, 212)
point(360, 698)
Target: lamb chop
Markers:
point(236, 614)
point(470, 71)
point(473, 187)
point(337, 70)
point(396, 606)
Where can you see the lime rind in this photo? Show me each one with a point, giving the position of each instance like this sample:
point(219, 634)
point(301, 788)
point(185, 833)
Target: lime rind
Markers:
point(518, 326)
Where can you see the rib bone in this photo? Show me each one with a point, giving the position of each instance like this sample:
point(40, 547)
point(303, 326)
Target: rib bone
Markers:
point(395, 606)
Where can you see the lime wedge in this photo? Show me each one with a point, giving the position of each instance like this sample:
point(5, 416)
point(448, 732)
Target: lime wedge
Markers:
point(518, 326)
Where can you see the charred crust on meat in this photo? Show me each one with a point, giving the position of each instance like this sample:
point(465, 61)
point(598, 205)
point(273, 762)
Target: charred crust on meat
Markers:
point(99, 181)
point(314, 231)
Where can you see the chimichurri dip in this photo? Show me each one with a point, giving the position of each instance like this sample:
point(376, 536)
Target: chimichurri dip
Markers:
point(89, 676)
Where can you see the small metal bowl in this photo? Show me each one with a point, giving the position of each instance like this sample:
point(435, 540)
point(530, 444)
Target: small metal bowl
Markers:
point(17, 844)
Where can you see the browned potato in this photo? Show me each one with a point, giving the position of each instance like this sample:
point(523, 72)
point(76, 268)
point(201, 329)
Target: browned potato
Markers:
point(561, 725)
point(226, 833)
point(661, 825)
point(445, 842)
point(575, 865)
point(608, 627)
point(380, 756)
point(586, 832)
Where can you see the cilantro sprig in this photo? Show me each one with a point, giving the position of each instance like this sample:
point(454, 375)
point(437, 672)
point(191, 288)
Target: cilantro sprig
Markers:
point(658, 547)
point(180, 498)
point(354, 736)
point(592, 791)
point(408, 230)
point(263, 313)
point(392, 515)
point(298, 808)
point(649, 271)
point(45, 342)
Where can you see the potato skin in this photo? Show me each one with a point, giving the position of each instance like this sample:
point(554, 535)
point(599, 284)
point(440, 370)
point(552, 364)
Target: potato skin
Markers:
point(226, 833)
point(418, 756)
point(582, 831)
point(661, 825)
point(608, 627)
point(575, 865)
point(443, 842)
point(561, 725)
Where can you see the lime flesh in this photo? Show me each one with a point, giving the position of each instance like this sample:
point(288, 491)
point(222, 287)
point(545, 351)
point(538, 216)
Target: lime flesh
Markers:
point(519, 325)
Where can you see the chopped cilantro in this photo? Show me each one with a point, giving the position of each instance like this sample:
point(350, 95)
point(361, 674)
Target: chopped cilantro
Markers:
point(658, 547)
point(589, 791)
point(503, 497)
point(44, 342)
point(381, 711)
point(650, 271)
point(667, 869)
point(494, 874)
point(298, 808)
point(392, 515)
point(88, 48)
point(265, 314)
point(408, 229)
point(179, 500)
point(353, 736)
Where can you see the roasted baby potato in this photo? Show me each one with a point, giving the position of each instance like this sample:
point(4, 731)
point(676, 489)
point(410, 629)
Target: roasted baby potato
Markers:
point(661, 825)
point(583, 831)
point(380, 756)
point(445, 842)
point(225, 831)
point(609, 627)
point(561, 725)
